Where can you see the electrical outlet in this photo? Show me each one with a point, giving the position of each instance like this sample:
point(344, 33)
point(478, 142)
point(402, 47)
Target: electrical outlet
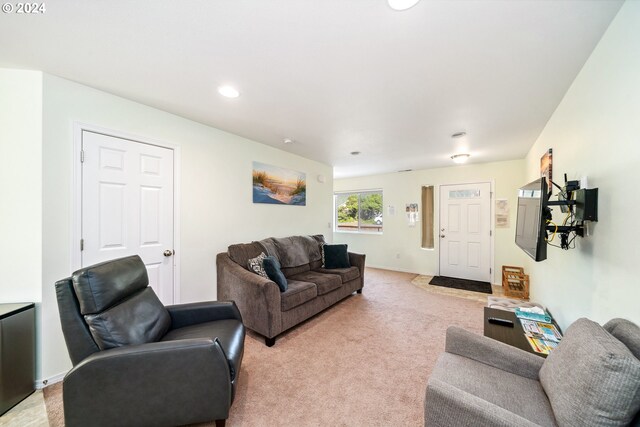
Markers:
point(398, 256)
point(329, 225)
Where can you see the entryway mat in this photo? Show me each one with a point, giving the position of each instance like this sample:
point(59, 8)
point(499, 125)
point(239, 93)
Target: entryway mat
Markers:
point(467, 285)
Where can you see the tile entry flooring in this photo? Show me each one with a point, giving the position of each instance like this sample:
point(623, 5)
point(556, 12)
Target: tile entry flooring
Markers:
point(31, 412)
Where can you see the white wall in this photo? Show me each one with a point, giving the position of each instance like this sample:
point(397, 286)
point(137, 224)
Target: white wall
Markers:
point(595, 132)
point(216, 206)
point(21, 185)
point(405, 187)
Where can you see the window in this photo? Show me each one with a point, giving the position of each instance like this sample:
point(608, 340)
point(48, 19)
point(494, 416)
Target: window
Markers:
point(463, 194)
point(360, 212)
point(427, 217)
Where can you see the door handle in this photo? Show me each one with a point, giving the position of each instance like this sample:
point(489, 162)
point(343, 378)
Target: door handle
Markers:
point(442, 236)
point(168, 252)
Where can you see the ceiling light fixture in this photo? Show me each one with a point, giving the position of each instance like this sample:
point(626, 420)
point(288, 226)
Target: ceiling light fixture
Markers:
point(402, 4)
point(460, 158)
point(288, 141)
point(354, 153)
point(228, 92)
point(458, 135)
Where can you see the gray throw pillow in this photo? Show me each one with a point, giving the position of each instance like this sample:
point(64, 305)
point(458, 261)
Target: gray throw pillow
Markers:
point(591, 378)
point(137, 320)
point(257, 265)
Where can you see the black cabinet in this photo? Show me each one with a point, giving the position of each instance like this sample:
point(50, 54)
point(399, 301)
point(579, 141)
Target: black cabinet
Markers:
point(17, 353)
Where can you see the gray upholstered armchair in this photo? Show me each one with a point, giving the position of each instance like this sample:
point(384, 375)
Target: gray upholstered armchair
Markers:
point(591, 379)
point(138, 363)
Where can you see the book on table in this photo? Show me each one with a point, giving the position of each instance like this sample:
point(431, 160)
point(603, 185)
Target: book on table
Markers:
point(541, 345)
point(531, 315)
point(541, 336)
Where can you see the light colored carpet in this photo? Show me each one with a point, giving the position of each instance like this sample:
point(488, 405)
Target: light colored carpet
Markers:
point(365, 361)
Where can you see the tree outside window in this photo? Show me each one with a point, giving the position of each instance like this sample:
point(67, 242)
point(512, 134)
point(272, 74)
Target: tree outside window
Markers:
point(359, 211)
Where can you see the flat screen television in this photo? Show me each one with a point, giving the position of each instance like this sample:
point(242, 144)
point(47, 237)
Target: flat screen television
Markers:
point(532, 217)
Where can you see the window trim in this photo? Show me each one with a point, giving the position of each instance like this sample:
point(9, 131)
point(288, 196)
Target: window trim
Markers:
point(359, 193)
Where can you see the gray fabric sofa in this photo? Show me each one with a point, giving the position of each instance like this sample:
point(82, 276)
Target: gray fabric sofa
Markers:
point(311, 289)
point(591, 379)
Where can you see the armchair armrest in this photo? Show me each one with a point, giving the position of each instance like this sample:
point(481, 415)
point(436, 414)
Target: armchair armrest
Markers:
point(200, 312)
point(446, 405)
point(493, 353)
point(357, 260)
point(257, 298)
point(192, 374)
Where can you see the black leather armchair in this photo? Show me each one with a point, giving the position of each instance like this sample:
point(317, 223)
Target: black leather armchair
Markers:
point(138, 363)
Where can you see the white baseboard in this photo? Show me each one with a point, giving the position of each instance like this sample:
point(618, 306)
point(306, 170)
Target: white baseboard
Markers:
point(382, 267)
point(40, 384)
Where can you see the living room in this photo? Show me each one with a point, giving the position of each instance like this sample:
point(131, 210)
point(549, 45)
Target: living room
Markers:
point(592, 128)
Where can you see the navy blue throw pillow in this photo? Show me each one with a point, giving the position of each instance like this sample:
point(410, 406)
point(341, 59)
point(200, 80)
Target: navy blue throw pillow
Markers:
point(272, 267)
point(335, 256)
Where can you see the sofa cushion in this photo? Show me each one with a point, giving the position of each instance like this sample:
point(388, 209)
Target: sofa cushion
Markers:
point(243, 252)
point(628, 333)
point(292, 271)
point(292, 251)
point(519, 395)
point(272, 267)
point(314, 265)
point(346, 274)
point(256, 265)
point(230, 332)
point(335, 256)
point(137, 320)
point(100, 286)
point(297, 293)
point(324, 282)
point(591, 378)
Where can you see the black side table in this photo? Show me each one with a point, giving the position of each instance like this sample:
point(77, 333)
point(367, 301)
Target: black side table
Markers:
point(509, 335)
point(17, 353)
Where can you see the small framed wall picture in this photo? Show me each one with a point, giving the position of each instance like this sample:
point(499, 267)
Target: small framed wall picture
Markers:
point(278, 186)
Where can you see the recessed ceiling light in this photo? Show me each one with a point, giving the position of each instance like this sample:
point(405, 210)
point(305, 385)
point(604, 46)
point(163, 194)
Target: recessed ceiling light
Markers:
point(355, 153)
point(458, 135)
point(402, 4)
point(288, 141)
point(228, 92)
point(460, 158)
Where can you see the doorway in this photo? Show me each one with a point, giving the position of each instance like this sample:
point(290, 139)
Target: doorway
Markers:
point(465, 232)
point(127, 206)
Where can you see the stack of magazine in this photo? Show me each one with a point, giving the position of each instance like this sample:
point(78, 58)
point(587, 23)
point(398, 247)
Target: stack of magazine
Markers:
point(541, 333)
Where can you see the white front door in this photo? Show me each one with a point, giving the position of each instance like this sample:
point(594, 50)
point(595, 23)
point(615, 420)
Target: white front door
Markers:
point(465, 231)
point(127, 206)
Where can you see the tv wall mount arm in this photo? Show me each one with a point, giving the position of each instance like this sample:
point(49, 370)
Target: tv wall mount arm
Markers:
point(582, 204)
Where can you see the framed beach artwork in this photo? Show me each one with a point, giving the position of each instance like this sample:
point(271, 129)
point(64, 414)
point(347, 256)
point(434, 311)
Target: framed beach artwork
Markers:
point(278, 186)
